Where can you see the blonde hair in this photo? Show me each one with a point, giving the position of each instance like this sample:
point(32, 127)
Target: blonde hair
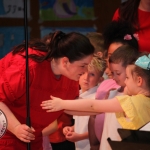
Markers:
point(98, 64)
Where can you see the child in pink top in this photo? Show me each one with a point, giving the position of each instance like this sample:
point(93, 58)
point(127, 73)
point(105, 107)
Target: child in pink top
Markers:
point(102, 93)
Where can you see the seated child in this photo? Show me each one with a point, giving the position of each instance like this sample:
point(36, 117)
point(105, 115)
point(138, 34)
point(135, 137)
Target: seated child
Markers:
point(88, 83)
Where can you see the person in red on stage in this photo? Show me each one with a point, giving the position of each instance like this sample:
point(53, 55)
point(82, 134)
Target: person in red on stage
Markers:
point(137, 12)
point(54, 69)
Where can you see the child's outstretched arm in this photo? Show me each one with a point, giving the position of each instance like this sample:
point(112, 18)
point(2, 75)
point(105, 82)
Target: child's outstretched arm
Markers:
point(56, 104)
point(80, 113)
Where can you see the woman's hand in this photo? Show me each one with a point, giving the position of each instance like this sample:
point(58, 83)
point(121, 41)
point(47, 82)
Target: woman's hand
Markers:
point(24, 133)
point(52, 105)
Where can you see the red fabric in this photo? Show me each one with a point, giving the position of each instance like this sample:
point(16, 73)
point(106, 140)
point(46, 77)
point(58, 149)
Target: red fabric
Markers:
point(58, 136)
point(144, 32)
point(42, 84)
point(116, 15)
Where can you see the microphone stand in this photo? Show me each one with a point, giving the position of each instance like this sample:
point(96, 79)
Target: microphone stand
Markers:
point(28, 122)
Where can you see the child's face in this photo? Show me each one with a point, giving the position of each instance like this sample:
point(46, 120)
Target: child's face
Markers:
point(111, 49)
point(118, 73)
point(130, 81)
point(90, 79)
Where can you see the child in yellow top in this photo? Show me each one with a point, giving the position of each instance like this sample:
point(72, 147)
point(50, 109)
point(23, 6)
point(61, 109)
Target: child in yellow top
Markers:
point(132, 110)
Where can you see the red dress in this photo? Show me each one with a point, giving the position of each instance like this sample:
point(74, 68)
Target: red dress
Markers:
point(42, 84)
point(144, 32)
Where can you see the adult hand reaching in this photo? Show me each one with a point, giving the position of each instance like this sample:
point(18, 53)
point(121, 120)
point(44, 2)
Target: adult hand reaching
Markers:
point(52, 105)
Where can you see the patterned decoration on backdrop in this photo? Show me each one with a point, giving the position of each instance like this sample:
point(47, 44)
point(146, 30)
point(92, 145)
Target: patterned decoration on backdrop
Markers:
point(66, 10)
point(12, 9)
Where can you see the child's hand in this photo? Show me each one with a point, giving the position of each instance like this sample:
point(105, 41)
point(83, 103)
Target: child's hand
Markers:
point(67, 129)
point(73, 137)
point(24, 133)
point(52, 105)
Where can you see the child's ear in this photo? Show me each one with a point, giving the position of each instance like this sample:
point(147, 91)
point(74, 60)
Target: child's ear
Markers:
point(100, 54)
point(139, 80)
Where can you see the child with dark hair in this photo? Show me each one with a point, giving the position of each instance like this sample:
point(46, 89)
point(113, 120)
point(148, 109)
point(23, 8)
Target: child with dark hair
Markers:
point(114, 37)
point(119, 60)
point(120, 32)
point(116, 34)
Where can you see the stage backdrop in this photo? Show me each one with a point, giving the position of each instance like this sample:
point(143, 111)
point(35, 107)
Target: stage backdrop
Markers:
point(10, 37)
point(66, 10)
point(45, 31)
point(13, 8)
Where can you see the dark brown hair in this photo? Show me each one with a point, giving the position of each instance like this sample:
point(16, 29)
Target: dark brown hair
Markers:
point(74, 46)
point(124, 54)
point(128, 11)
point(115, 33)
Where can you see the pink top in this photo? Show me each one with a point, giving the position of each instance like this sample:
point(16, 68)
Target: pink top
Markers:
point(102, 90)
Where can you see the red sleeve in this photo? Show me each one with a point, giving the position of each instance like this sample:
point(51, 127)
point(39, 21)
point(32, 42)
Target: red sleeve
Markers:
point(116, 15)
point(12, 83)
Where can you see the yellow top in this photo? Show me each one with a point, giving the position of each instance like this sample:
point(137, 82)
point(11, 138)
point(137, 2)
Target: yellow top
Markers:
point(136, 111)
